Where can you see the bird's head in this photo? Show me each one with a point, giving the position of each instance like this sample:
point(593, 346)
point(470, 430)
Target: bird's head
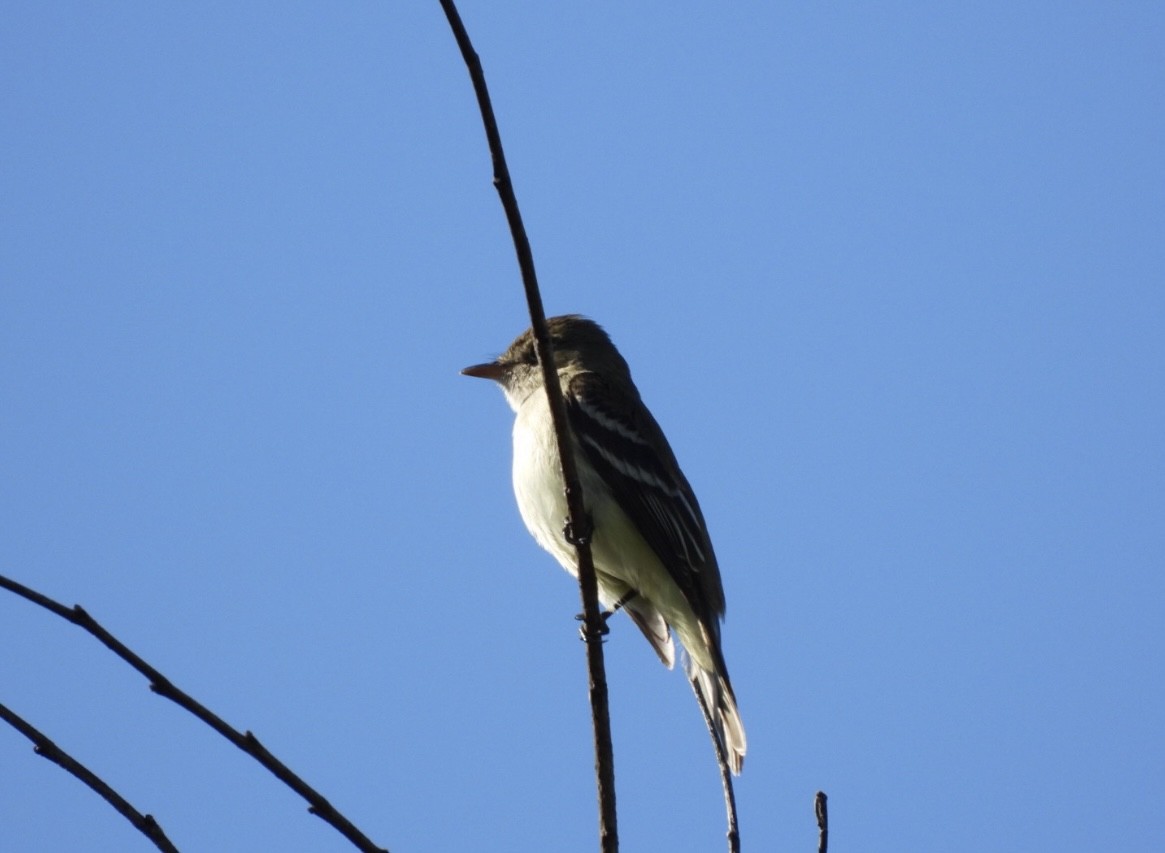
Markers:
point(580, 345)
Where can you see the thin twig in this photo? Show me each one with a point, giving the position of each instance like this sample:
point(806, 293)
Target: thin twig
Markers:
point(161, 685)
point(822, 822)
point(42, 746)
point(733, 833)
point(578, 525)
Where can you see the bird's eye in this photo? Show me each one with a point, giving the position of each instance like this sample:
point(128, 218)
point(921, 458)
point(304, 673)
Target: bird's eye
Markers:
point(530, 356)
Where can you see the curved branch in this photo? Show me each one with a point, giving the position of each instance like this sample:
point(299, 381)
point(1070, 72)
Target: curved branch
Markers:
point(161, 685)
point(578, 525)
point(42, 746)
point(733, 834)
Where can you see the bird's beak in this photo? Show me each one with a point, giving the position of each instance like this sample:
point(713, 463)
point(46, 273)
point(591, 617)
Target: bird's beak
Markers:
point(489, 370)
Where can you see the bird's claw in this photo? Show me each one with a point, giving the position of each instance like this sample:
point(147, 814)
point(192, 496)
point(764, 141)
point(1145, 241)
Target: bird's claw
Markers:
point(578, 534)
point(604, 628)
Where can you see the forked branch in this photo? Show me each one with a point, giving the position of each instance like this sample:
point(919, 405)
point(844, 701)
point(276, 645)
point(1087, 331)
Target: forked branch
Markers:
point(161, 685)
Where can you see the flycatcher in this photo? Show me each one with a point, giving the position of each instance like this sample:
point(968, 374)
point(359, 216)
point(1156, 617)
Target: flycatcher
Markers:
point(652, 554)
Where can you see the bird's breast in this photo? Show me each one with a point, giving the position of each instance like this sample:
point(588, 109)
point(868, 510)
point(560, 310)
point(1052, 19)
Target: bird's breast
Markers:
point(538, 484)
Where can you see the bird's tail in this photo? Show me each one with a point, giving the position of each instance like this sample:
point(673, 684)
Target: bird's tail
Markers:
point(717, 701)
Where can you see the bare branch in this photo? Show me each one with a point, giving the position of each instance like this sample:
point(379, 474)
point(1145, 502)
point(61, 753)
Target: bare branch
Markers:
point(733, 833)
point(822, 822)
point(145, 824)
point(161, 685)
point(577, 523)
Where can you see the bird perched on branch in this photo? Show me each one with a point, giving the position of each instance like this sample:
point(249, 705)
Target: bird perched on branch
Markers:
point(652, 554)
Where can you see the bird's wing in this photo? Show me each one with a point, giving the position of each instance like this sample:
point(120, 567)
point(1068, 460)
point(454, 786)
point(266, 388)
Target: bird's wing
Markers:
point(624, 443)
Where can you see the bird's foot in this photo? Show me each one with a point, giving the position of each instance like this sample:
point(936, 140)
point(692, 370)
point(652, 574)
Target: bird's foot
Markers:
point(604, 616)
point(604, 628)
point(578, 534)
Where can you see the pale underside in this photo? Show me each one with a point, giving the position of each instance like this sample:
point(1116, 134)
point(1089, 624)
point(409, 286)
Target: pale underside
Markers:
point(623, 560)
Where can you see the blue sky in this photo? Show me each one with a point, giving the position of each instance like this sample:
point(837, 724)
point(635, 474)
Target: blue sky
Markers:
point(890, 276)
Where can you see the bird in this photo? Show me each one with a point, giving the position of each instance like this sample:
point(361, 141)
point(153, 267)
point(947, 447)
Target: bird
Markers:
point(652, 553)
